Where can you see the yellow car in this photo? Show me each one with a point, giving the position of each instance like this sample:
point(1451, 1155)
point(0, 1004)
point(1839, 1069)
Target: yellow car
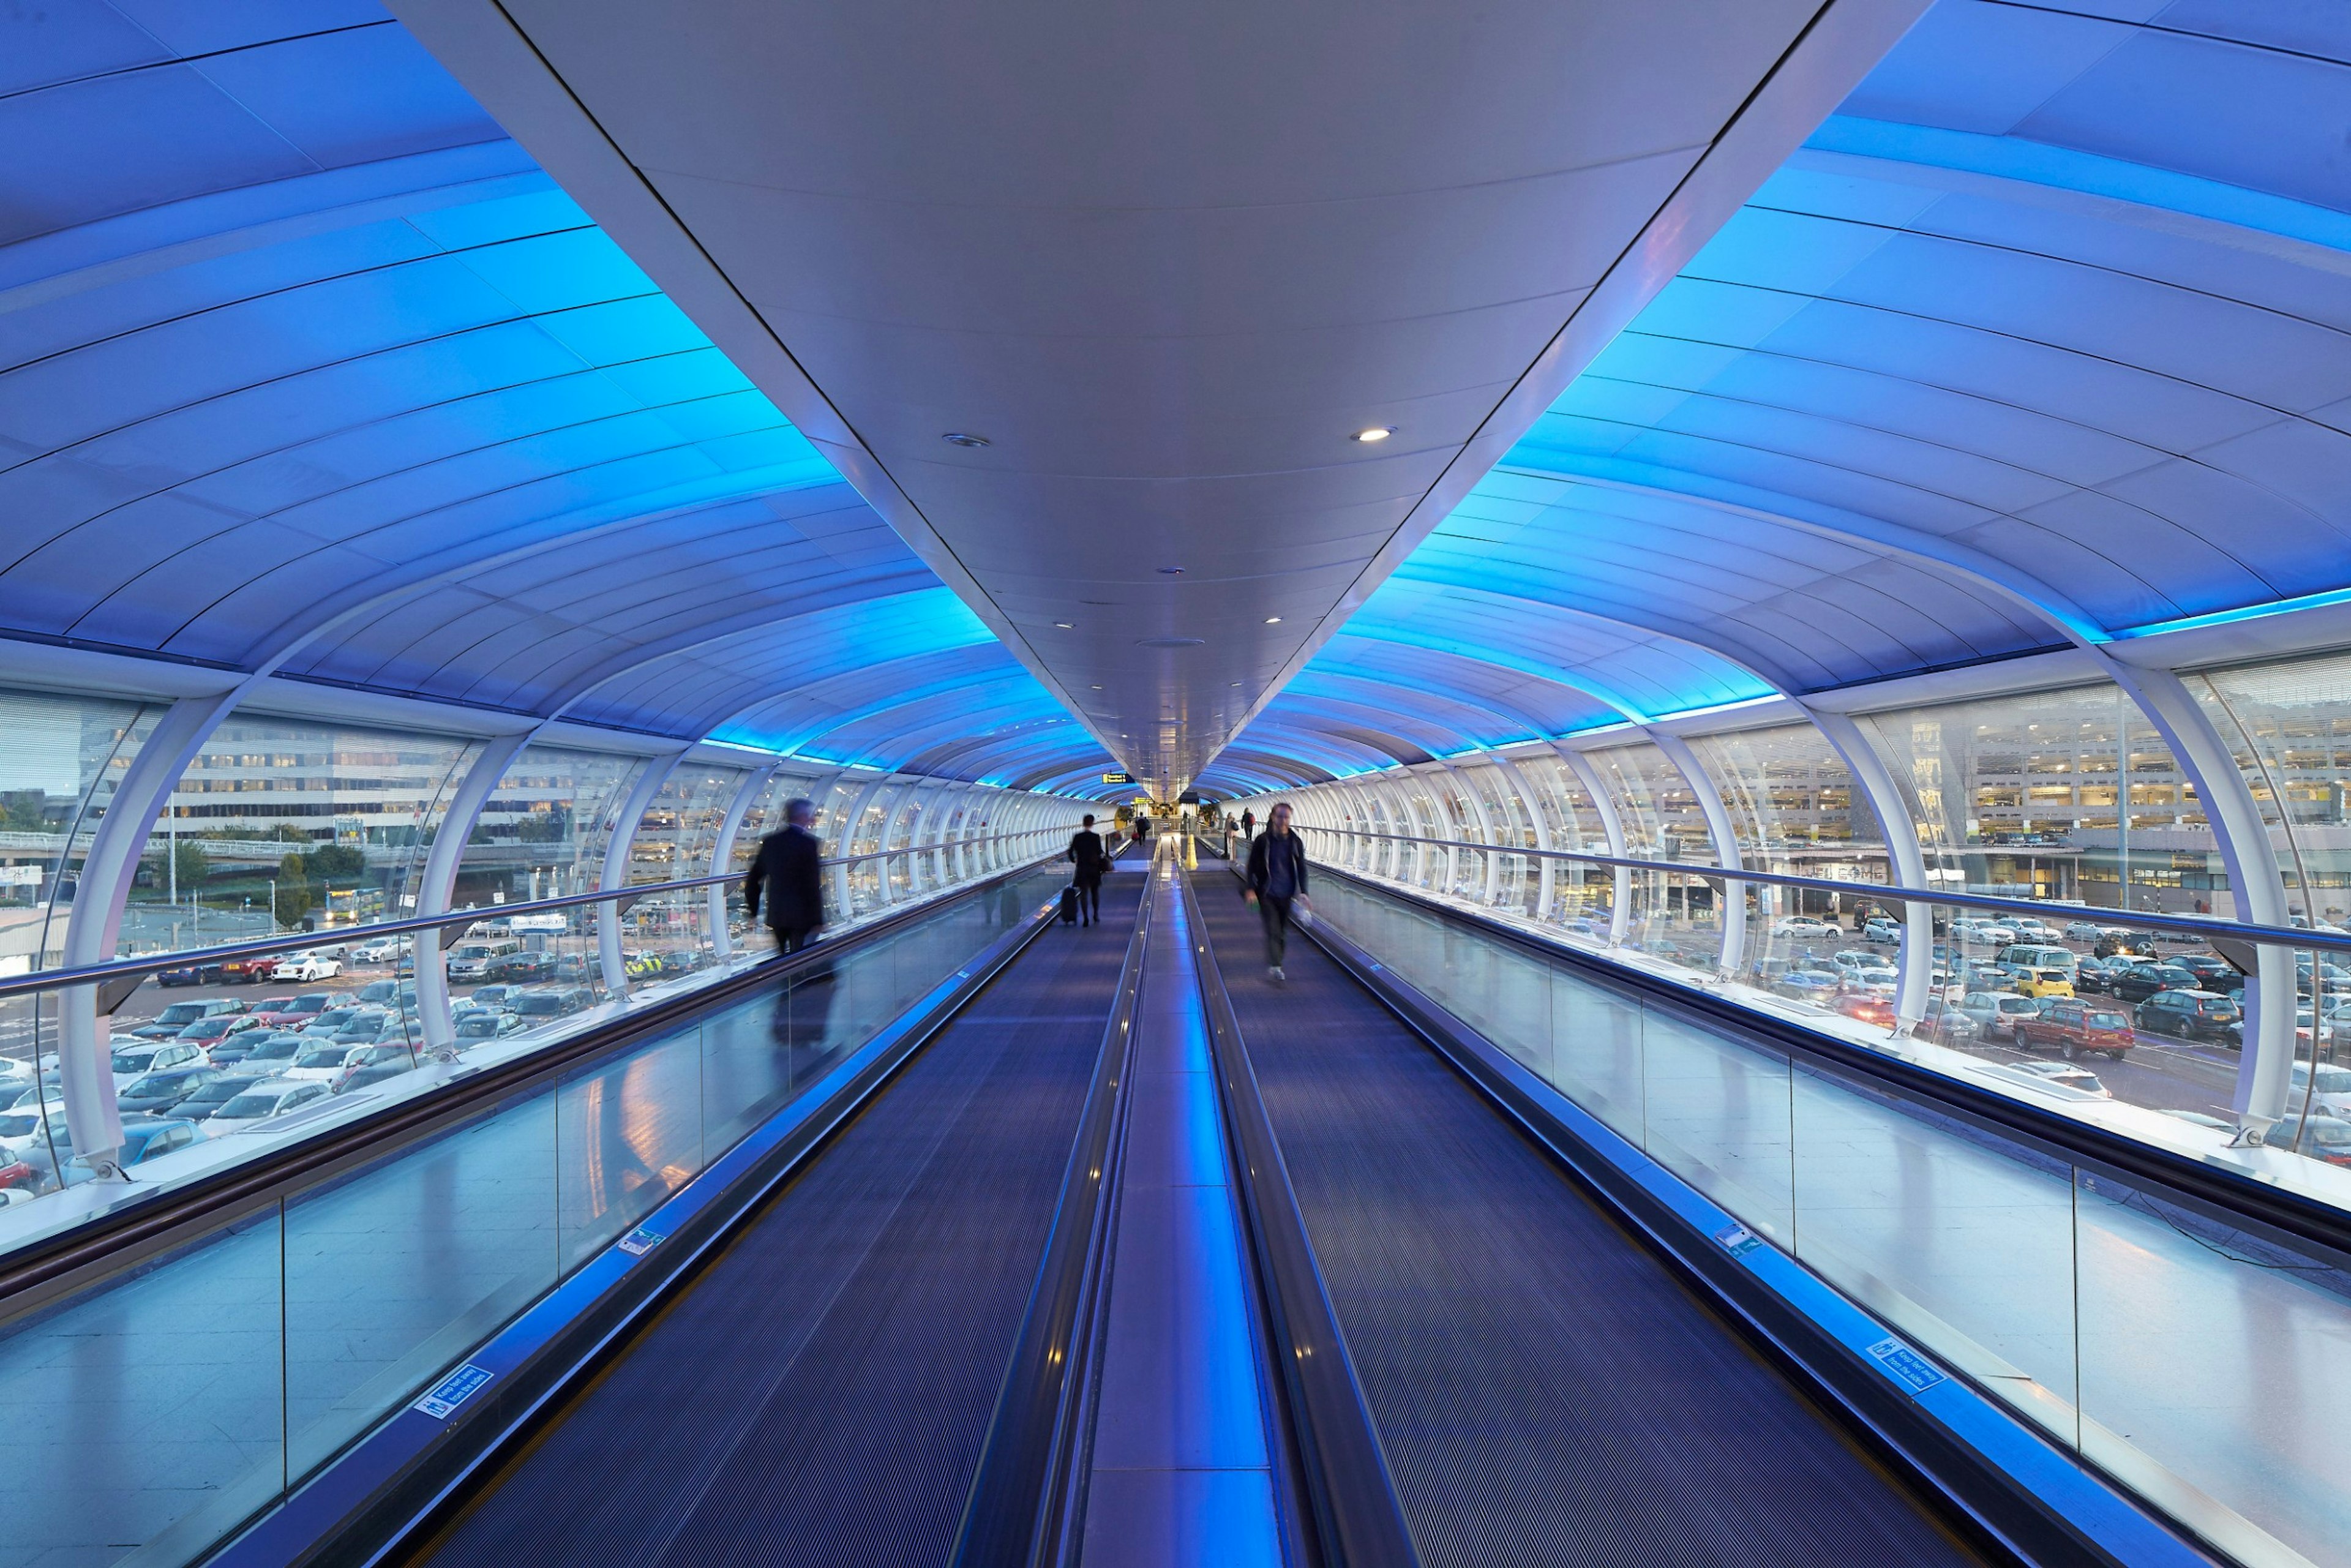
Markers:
point(2044, 983)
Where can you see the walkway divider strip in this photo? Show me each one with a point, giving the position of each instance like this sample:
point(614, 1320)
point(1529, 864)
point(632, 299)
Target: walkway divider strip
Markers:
point(1027, 1504)
point(1351, 1495)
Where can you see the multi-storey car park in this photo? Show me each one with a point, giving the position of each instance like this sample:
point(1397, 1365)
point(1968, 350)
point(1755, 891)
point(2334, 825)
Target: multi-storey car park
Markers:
point(1783, 561)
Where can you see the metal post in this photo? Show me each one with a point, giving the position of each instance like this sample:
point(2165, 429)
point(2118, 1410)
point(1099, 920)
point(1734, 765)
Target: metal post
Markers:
point(85, 1070)
point(440, 875)
point(1612, 830)
point(721, 852)
point(616, 869)
point(1726, 848)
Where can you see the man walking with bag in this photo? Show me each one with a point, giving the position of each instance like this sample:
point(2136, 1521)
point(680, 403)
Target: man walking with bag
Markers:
point(1277, 877)
point(787, 870)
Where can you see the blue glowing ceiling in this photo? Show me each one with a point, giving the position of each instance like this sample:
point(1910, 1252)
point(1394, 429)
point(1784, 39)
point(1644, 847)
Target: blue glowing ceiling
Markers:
point(305, 367)
point(2040, 340)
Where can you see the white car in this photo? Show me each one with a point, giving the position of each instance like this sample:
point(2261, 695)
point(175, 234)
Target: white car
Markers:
point(306, 966)
point(20, 1128)
point(383, 950)
point(1882, 929)
point(137, 1058)
point(2333, 1094)
point(318, 1063)
point(2078, 1079)
point(1982, 931)
point(1804, 926)
point(1854, 958)
point(1872, 982)
point(262, 1104)
point(2028, 929)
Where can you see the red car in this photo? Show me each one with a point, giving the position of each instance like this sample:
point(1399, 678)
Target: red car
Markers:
point(291, 1012)
point(247, 972)
point(2076, 1026)
point(1868, 1009)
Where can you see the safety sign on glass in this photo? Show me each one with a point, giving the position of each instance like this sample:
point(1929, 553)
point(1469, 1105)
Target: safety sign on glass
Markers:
point(640, 1241)
point(454, 1390)
point(1905, 1366)
point(1738, 1240)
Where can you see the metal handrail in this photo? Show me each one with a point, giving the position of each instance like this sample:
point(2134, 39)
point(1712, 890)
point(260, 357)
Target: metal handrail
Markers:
point(261, 946)
point(2204, 929)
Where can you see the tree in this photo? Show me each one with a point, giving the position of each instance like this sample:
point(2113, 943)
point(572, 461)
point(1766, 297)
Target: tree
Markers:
point(189, 866)
point(293, 891)
point(336, 862)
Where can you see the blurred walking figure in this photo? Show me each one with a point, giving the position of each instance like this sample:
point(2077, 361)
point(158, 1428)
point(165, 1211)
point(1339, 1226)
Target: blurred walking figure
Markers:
point(789, 871)
point(1277, 877)
point(1087, 854)
point(1249, 824)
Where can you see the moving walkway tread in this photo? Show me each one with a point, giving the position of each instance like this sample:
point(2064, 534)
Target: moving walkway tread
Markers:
point(1545, 1391)
point(821, 1393)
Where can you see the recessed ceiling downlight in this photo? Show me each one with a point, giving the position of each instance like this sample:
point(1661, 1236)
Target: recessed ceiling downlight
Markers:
point(1373, 433)
point(1171, 642)
point(957, 438)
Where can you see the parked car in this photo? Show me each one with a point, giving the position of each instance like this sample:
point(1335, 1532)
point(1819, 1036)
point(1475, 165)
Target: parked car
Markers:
point(216, 1094)
point(2043, 982)
point(135, 1059)
point(2029, 929)
point(2040, 956)
point(570, 967)
point(23, 1126)
point(364, 1027)
point(359, 1078)
point(1982, 933)
point(269, 1052)
point(1808, 985)
point(264, 1102)
point(1882, 929)
point(386, 993)
point(211, 1031)
point(2112, 941)
point(2192, 1015)
point(2098, 973)
point(293, 1013)
point(2327, 1138)
point(1869, 1007)
point(320, 1064)
point(2333, 1094)
point(381, 950)
point(367, 1059)
point(2212, 972)
point(2075, 1028)
point(539, 1005)
point(330, 1020)
point(1878, 982)
point(154, 1093)
point(524, 968)
point(487, 1024)
point(249, 971)
point(188, 975)
point(1946, 1022)
point(2066, 1075)
point(2085, 930)
point(2141, 981)
point(1998, 1013)
point(1805, 925)
point(306, 966)
point(180, 1015)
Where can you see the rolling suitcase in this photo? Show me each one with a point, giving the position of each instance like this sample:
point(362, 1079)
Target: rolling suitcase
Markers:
point(1069, 906)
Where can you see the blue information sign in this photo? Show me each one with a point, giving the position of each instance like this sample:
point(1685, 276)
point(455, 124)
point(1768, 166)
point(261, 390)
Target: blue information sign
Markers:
point(1905, 1366)
point(454, 1390)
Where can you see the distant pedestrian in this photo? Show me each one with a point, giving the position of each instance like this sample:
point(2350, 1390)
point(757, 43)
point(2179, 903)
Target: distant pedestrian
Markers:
point(1086, 853)
point(1249, 824)
point(1277, 880)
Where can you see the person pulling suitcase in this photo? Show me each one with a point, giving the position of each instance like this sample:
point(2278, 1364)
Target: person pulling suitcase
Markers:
point(1089, 859)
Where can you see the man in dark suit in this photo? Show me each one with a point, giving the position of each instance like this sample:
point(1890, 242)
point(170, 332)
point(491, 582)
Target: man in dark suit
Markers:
point(1087, 855)
point(788, 869)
